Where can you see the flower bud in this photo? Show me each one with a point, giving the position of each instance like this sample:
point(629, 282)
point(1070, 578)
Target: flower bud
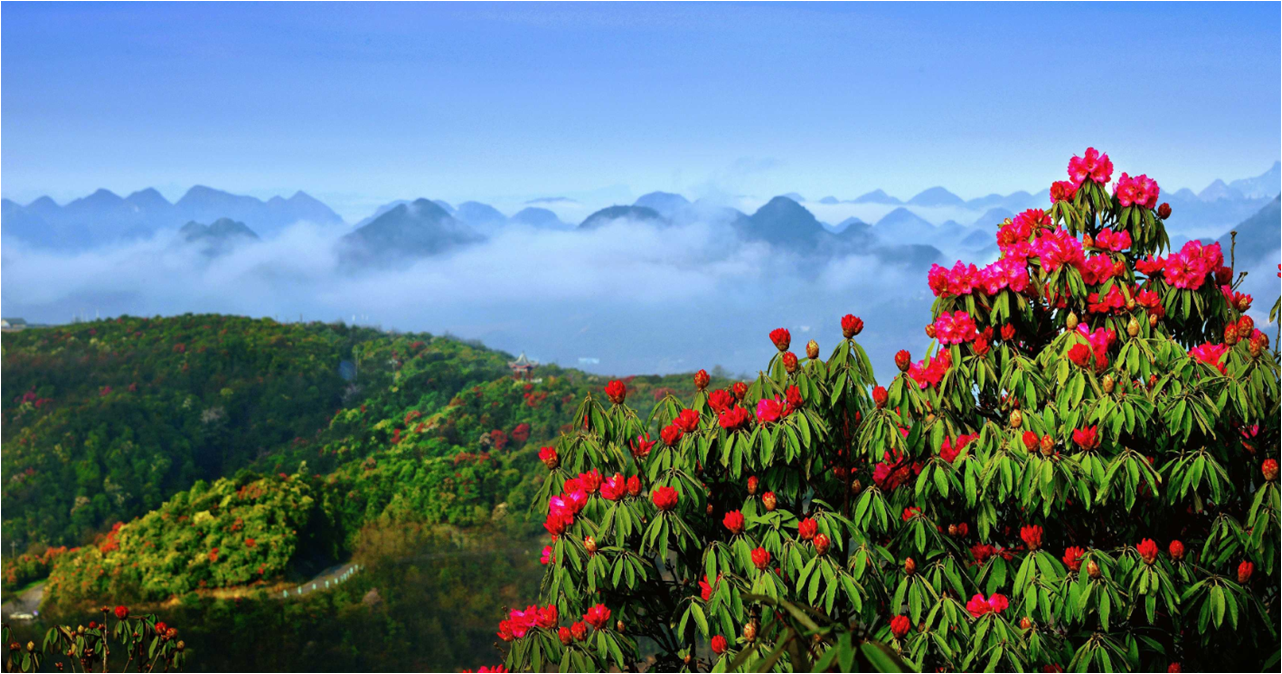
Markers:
point(1270, 470)
point(790, 362)
point(1244, 571)
point(1230, 334)
point(1088, 241)
point(565, 636)
point(1108, 382)
point(750, 631)
point(1164, 210)
point(856, 487)
point(589, 544)
point(851, 325)
point(1133, 327)
point(1245, 326)
point(1071, 322)
point(1256, 347)
point(769, 501)
point(1026, 623)
point(618, 626)
point(1130, 303)
point(752, 484)
point(701, 379)
point(31, 646)
point(1152, 320)
point(821, 544)
point(902, 360)
point(812, 350)
point(930, 331)
point(1031, 441)
point(1016, 419)
point(1092, 569)
point(952, 530)
point(1177, 550)
point(910, 567)
point(879, 396)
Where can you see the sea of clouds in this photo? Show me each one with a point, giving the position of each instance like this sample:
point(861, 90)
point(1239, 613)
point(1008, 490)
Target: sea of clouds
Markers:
point(627, 298)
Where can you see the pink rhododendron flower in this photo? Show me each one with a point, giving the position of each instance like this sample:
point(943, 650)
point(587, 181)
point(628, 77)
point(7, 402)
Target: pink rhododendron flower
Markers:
point(928, 371)
point(1097, 269)
point(1100, 340)
point(1058, 248)
point(1139, 191)
point(1108, 239)
point(1006, 273)
point(547, 556)
point(1211, 354)
point(959, 280)
point(1094, 166)
point(1063, 190)
point(1111, 301)
point(955, 328)
point(1189, 268)
point(770, 410)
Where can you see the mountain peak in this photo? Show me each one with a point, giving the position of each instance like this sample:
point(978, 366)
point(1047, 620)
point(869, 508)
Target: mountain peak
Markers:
point(936, 196)
point(877, 196)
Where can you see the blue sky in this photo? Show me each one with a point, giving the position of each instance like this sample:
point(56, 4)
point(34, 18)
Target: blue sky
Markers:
point(360, 104)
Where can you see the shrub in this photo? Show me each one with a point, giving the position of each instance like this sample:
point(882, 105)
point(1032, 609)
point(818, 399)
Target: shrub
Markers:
point(1079, 474)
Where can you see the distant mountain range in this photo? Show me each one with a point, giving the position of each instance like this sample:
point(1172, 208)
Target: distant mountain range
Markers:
point(104, 216)
point(427, 227)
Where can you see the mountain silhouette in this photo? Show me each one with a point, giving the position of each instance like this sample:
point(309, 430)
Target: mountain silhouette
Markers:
point(410, 230)
point(666, 204)
point(541, 218)
point(877, 197)
point(936, 196)
point(612, 213)
point(217, 238)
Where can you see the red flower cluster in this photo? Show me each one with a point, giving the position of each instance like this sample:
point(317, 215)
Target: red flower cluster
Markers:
point(1032, 536)
point(1187, 269)
point(1147, 550)
point(734, 522)
point(930, 371)
point(761, 558)
point(665, 498)
point(616, 391)
point(1139, 191)
point(719, 644)
point(641, 446)
point(979, 606)
point(851, 325)
point(1086, 438)
point(900, 626)
point(807, 529)
point(1210, 354)
point(781, 338)
point(597, 616)
point(894, 470)
point(1094, 166)
point(1073, 558)
point(950, 450)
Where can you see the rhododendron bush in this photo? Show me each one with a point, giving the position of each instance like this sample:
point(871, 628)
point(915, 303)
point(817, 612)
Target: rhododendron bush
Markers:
point(1079, 473)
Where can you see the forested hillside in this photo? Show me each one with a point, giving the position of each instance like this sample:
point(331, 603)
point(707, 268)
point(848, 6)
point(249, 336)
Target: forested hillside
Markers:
point(204, 452)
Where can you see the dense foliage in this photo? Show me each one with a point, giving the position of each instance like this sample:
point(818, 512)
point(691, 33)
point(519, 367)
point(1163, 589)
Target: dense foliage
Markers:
point(104, 421)
point(434, 431)
point(232, 532)
point(1080, 474)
